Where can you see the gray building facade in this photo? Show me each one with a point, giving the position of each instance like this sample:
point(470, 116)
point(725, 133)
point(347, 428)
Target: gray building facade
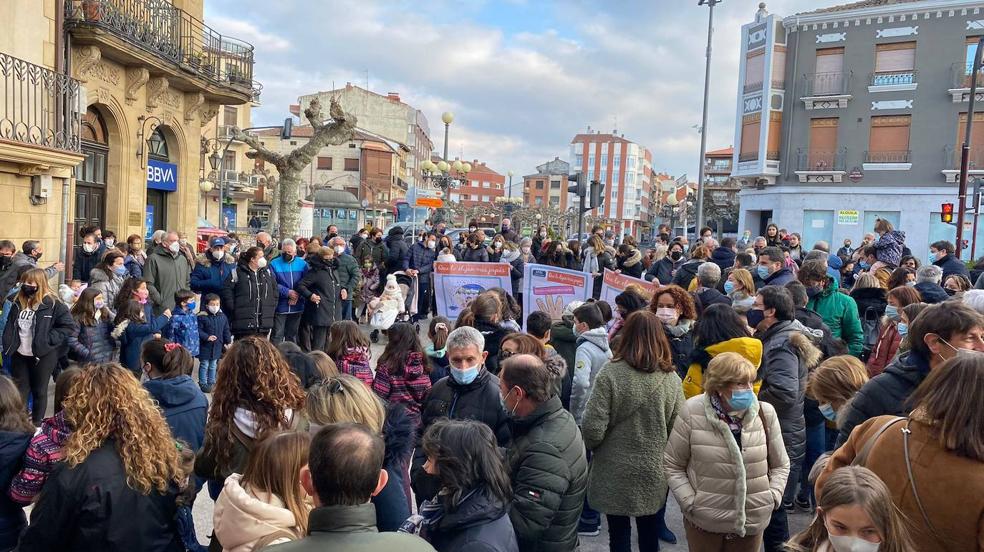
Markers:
point(852, 113)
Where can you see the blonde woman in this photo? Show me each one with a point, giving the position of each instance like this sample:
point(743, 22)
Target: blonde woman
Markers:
point(345, 398)
point(266, 504)
point(740, 288)
point(725, 460)
point(120, 454)
point(37, 329)
point(834, 383)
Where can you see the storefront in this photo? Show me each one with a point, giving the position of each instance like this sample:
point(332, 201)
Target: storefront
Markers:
point(162, 180)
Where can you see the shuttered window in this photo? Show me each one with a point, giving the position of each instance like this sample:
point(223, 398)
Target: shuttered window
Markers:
point(889, 139)
point(893, 58)
point(775, 133)
point(324, 163)
point(829, 72)
point(823, 143)
point(750, 127)
point(779, 68)
point(351, 164)
point(754, 70)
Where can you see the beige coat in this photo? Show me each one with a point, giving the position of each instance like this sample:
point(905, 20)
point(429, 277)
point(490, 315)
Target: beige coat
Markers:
point(720, 488)
point(243, 516)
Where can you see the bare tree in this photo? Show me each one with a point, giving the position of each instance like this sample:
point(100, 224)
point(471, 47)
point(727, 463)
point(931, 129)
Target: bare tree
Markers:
point(340, 129)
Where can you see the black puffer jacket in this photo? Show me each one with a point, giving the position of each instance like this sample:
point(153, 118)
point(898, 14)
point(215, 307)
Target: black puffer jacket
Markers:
point(493, 334)
point(870, 298)
point(474, 255)
point(91, 508)
point(321, 280)
point(480, 523)
point(686, 273)
point(661, 271)
point(53, 324)
point(787, 356)
point(548, 468)
point(886, 393)
point(92, 343)
point(250, 300)
point(397, 251)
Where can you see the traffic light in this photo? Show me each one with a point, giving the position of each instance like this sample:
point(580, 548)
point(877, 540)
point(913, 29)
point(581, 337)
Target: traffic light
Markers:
point(946, 213)
point(597, 194)
point(576, 184)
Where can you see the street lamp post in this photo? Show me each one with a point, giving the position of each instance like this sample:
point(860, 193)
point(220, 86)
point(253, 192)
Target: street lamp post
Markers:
point(446, 117)
point(965, 150)
point(509, 190)
point(205, 186)
point(703, 124)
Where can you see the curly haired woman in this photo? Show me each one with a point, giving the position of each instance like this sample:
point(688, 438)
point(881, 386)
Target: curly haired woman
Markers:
point(121, 454)
point(255, 394)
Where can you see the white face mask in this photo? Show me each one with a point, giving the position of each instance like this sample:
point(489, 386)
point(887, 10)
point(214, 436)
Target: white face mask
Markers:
point(218, 254)
point(261, 262)
point(667, 315)
point(110, 242)
point(89, 247)
point(339, 249)
point(214, 309)
point(526, 249)
point(846, 543)
point(175, 247)
point(432, 244)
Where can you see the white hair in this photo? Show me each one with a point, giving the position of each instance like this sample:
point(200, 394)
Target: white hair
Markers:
point(287, 243)
point(929, 273)
point(974, 298)
point(708, 274)
point(464, 337)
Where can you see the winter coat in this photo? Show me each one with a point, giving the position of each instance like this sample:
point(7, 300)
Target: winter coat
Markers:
point(132, 336)
point(288, 276)
point(681, 338)
point(888, 343)
point(628, 419)
point(931, 293)
point(134, 265)
point(83, 263)
point(780, 277)
point(661, 271)
point(592, 354)
point(92, 343)
point(73, 513)
point(19, 264)
point(350, 529)
point(710, 296)
point(249, 300)
point(321, 280)
point(53, 324)
point(631, 265)
point(371, 252)
point(952, 265)
point(840, 314)
point(210, 276)
point(208, 325)
point(493, 334)
point(950, 486)
point(355, 362)
point(479, 523)
point(242, 516)
point(184, 407)
point(888, 248)
point(183, 330)
point(399, 437)
point(724, 257)
point(474, 255)
point(109, 285)
point(787, 356)
point(13, 444)
point(597, 262)
point(40, 458)
point(563, 340)
point(409, 388)
point(686, 273)
point(348, 273)
point(422, 260)
point(479, 400)
point(748, 347)
point(887, 393)
point(166, 274)
point(398, 252)
point(516, 268)
point(548, 469)
point(722, 485)
point(870, 298)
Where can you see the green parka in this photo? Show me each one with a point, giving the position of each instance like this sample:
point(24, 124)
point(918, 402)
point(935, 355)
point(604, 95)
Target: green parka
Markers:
point(840, 313)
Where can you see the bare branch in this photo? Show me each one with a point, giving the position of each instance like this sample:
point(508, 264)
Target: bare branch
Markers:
point(259, 151)
point(313, 114)
point(338, 131)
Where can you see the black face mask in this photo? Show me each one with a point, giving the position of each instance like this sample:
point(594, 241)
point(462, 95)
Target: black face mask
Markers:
point(950, 292)
point(29, 290)
point(287, 257)
point(378, 239)
point(675, 255)
point(332, 235)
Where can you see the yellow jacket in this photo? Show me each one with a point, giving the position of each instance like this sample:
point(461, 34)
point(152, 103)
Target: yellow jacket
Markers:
point(748, 347)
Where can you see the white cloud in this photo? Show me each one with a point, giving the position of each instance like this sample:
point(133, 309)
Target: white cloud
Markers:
point(245, 30)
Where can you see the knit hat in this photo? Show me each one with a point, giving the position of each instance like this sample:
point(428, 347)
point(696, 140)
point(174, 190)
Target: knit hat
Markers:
point(571, 307)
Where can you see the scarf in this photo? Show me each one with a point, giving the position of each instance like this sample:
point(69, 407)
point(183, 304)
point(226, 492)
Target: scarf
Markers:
point(430, 513)
point(682, 328)
point(734, 424)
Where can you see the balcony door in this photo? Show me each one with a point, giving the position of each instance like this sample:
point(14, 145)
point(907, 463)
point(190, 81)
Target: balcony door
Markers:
point(90, 176)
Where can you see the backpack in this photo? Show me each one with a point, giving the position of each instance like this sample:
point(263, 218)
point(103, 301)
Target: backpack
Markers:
point(870, 325)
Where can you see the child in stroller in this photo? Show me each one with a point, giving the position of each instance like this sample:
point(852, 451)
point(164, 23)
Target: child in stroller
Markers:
point(398, 303)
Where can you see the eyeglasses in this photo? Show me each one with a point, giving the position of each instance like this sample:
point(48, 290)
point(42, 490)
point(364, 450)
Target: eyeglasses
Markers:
point(505, 353)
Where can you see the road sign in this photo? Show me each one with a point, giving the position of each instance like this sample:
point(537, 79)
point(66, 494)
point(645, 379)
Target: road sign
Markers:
point(434, 202)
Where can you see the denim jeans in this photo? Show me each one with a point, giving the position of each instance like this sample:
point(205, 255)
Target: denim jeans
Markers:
point(346, 309)
point(206, 372)
point(816, 444)
point(777, 533)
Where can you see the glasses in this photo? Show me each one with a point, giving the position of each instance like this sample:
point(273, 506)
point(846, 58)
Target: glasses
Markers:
point(505, 353)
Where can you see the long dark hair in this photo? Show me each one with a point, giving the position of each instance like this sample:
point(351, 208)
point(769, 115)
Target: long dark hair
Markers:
point(643, 345)
point(130, 286)
point(718, 323)
point(84, 309)
point(402, 341)
point(13, 413)
point(169, 359)
point(466, 456)
point(130, 310)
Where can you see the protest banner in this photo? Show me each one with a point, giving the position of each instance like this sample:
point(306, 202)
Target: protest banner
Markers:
point(457, 284)
point(614, 283)
point(550, 289)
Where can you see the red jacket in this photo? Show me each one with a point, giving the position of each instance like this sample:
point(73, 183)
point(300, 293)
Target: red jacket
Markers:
point(409, 388)
point(885, 349)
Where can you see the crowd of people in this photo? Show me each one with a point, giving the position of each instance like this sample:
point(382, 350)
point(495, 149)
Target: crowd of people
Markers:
point(751, 378)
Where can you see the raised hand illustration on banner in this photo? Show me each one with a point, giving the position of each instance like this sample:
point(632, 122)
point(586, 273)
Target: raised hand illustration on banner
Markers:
point(552, 305)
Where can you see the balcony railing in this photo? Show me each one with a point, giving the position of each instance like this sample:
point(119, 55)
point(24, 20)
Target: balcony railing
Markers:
point(960, 75)
point(893, 78)
point(899, 156)
point(752, 87)
point(821, 161)
point(772, 155)
point(748, 156)
point(826, 84)
point(159, 28)
point(38, 106)
point(951, 158)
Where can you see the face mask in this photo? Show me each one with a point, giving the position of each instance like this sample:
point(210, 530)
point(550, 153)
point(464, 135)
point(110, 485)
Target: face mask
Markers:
point(755, 317)
point(119, 270)
point(864, 265)
point(261, 262)
point(828, 412)
point(29, 290)
point(950, 292)
point(89, 247)
point(813, 291)
point(183, 241)
point(432, 244)
point(576, 331)
point(100, 305)
point(191, 306)
point(110, 242)
point(526, 250)
point(175, 247)
point(37, 256)
point(762, 271)
point(136, 246)
point(852, 544)
point(933, 255)
point(667, 315)
point(497, 245)
point(218, 254)
point(543, 234)
point(505, 227)
point(902, 328)
point(378, 239)
point(741, 400)
point(142, 296)
point(892, 312)
point(339, 249)
point(214, 309)
point(466, 375)
point(675, 255)
point(472, 229)
point(729, 287)
point(910, 284)
point(502, 402)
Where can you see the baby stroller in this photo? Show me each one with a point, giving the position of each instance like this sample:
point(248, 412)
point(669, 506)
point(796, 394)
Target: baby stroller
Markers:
point(385, 315)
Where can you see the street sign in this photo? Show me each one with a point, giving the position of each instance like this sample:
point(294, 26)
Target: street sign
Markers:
point(434, 202)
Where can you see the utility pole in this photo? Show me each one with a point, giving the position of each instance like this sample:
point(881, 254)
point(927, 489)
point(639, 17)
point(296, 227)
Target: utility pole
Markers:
point(703, 124)
point(965, 150)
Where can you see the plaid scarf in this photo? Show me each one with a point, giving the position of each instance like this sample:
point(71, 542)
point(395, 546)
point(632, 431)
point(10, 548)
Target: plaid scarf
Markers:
point(734, 424)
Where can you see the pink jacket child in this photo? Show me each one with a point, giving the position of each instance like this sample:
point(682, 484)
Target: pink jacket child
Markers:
point(407, 384)
point(355, 362)
point(45, 450)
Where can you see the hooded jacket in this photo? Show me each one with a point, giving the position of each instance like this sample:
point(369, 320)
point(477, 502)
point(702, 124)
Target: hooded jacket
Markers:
point(724, 257)
point(888, 248)
point(870, 298)
point(409, 388)
point(474, 254)
point(183, 329)
point(931, 293)
point(210, 276)
point(370, 252)
point(592, 353)
point(480, 523)
point(631, 265)
point(422, 260)
point(787, 357)
point(250, 299)
point(184, 407)
point(208, 325)
point(748, 347)
point(132, 336)
point(321, 280)
point(952, 265)
point(840, 314)
point(722, 485)
point(12, 519)
point(563, 340)
point(686, 273)
point(166, 274)
point(516, 267)
point(348, 273)
point(83, 263)
point(243, 516)
point(109, 285)
point(53, 324)
point(288, 274)
point(40, 458)
point(398, 252)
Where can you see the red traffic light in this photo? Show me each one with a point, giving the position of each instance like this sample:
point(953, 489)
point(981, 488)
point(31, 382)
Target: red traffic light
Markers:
point(946, 212)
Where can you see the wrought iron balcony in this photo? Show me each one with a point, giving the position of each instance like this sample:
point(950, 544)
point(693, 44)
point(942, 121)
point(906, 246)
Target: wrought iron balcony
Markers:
point(826, 84)
point(951, 158)
point(960, 75)
point(893, 78)
point(821, 161)
point(173, 35)
point(38, 106)
point(899, 156)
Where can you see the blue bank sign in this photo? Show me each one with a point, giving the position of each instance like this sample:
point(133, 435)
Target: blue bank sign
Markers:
point(162, 176)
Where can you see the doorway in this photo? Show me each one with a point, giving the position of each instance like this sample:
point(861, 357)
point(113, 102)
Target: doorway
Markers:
point(156, 211)
point(90, 175)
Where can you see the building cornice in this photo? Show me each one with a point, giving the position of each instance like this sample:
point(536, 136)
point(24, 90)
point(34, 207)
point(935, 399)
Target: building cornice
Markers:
point(792, 22)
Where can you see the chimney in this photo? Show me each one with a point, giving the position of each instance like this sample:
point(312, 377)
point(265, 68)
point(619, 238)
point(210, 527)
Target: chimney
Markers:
point(393, 96)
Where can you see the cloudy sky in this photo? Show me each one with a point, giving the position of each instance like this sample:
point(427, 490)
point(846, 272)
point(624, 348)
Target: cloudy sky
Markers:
point(521, 76)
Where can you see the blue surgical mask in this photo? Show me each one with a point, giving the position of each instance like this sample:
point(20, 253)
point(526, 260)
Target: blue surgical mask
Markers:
point(864, 265)
point(763, 271)
point(119, 270)
point(729, 287)
point(741, 400)
point(892, 312)
point(903, 328)
point(192, 305)
point(828, 412)
point(465, 376)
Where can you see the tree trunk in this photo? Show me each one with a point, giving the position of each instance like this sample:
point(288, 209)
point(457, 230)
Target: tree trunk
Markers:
point(290, 210)
point(273, 194)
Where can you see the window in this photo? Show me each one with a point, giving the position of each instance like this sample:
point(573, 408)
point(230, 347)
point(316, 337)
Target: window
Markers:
point(750, 129)
point(829, 77)
point(538, 201)
point(604, 161)
point(485, 198)
point(775, 133)
point(539, 184)
point(779, 68)
point(889, 139)
point(823, 144)
point(474, 183)
point(894, 64)
point(590, 175)
point(498, 186)
point(554, 184)
point(591, 162)
point(352, 145)
point(578, 160)
point(229, 115)
point(601, 178)
point(351, 164)
point(754, 71)
point(485, 184)
point(324, 163)
point(617, 161)
point(229, 162)
point(976, 139)
point(455, 197)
